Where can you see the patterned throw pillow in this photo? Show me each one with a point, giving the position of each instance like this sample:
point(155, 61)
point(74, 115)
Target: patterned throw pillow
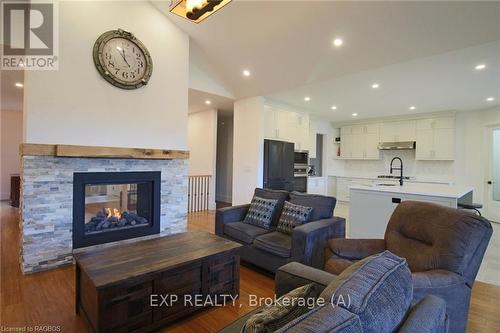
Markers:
point(261, 212)
point(293, 215)
point(286, 308)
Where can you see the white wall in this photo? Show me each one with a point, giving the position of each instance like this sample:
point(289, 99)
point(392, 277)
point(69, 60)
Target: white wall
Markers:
point(224, 168)
point(471, 162)
point(11, 126)
point(248, 148)
point(202, 144)
point(75, 105)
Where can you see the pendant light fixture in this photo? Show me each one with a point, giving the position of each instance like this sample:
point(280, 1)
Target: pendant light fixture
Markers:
point(196, 10)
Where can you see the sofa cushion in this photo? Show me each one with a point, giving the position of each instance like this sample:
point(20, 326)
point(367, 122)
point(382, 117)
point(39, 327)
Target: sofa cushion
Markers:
point(292, 215)
point(378, 289)
point(261, 212)
point(322, 206)
point(286, 308)
point(243, 232)
point(279, 195)
point(276, 243)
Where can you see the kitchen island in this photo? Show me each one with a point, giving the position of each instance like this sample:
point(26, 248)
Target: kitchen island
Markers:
point(371, 207)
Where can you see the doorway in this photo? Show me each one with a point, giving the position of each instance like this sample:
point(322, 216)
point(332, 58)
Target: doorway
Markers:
point(493, 180)
point(224, 162)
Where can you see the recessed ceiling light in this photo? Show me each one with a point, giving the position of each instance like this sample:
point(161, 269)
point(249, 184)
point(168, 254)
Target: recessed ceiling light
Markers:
point(490, 99)
point(19, 85)
point(246, 72)
point(307, 98)
point(207, 102)
point(334, 107)
point(412, 107)
point(480, 67)
point(338, 42)
point(375, 85)
point(354, 114)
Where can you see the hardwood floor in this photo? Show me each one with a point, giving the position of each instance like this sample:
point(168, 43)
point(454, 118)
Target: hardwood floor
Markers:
point(47, 298)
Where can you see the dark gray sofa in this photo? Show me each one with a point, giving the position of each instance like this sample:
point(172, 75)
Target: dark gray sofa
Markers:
point(427, 315)
point(444, 248)
point(270, 249)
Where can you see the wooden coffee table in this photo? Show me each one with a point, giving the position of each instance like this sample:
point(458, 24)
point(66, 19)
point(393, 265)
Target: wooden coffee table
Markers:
point(129, 287)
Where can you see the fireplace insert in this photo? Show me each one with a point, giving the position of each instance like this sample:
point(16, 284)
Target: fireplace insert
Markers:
point(112, 206)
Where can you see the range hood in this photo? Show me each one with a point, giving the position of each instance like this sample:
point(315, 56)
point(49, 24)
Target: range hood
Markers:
point(402, 145)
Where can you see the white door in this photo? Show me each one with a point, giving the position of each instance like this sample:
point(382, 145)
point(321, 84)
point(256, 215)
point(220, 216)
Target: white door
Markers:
point(493, 182)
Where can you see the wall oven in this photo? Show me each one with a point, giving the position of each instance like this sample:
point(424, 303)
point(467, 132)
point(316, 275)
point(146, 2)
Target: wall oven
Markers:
point(301, 157)
point(300, 168)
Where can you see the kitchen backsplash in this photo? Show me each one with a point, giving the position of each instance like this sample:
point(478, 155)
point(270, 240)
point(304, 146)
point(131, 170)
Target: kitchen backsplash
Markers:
point(424, 170)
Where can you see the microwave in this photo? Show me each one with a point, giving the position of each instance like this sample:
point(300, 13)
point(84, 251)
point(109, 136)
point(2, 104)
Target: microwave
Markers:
point(301, 157)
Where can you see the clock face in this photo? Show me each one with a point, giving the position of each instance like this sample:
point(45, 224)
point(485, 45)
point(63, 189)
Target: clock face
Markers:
point(122, 59)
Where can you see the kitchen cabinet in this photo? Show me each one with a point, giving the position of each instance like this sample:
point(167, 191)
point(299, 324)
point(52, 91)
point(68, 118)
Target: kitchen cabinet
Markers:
point(396, 131)
point(435, 139)
point(344, 184)
point(287, 126)
point(360, 142)
point(313, 131)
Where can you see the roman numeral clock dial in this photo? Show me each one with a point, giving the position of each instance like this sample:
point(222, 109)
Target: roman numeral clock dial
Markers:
point(122, 59)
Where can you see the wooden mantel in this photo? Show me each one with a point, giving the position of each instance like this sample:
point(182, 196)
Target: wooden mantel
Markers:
point(31, 149)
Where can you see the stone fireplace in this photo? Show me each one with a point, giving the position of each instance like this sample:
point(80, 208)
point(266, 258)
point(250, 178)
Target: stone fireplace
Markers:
point(70, 202)
point(112, 206)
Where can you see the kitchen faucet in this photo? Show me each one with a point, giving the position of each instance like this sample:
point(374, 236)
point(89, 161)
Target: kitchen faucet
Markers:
point(400, 169)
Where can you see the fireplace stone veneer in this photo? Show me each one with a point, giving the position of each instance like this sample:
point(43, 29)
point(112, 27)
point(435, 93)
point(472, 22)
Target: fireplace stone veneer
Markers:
point(47, 203)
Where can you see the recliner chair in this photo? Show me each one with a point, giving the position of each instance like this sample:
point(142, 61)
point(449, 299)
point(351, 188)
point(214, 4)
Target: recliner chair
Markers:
point(444, 248)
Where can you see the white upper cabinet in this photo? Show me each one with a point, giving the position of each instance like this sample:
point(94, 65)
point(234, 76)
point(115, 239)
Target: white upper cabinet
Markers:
point(395, 131)
point(360, 142)
point(287, 126)
point(436, 139)
point(270, 124)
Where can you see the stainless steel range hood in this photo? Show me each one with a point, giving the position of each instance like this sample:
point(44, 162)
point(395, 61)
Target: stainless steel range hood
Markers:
point(402, 145)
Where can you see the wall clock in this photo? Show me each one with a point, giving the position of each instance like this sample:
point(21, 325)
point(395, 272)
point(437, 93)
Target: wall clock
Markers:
point(122, 59)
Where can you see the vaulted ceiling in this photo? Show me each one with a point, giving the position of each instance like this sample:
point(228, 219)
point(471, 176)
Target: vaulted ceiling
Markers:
point(287, 46)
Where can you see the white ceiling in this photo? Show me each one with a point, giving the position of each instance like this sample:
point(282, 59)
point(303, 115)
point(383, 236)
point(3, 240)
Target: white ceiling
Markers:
point(197, 101)
point(438, 83)
point(407, 46)
point(11, 97)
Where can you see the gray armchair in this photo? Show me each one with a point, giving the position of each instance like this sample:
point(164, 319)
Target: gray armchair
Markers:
point(270, 249)
point(444, 248)
point(427, 315)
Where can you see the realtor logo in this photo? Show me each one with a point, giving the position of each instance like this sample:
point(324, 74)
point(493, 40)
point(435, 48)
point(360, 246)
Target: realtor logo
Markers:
point(29, 35)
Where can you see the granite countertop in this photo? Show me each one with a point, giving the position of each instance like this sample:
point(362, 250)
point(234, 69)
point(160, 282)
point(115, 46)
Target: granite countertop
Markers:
point(411, 180)
point(435, 190)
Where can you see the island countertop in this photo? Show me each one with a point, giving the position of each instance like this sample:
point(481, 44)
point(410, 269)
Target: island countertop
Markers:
point(435, 190)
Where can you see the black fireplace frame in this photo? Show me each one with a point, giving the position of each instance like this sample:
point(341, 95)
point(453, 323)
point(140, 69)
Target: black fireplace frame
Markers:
point(80, 179)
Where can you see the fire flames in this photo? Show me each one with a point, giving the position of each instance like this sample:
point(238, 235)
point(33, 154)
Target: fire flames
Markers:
point(113, 212)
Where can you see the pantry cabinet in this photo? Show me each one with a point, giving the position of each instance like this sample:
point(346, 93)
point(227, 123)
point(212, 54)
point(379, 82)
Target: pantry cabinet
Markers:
point(287, 126)
point(435, 139)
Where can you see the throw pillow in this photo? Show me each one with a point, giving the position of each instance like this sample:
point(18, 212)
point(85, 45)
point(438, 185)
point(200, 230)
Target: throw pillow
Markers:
point(261, 212)
point(292, 216)
point(286, 308)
